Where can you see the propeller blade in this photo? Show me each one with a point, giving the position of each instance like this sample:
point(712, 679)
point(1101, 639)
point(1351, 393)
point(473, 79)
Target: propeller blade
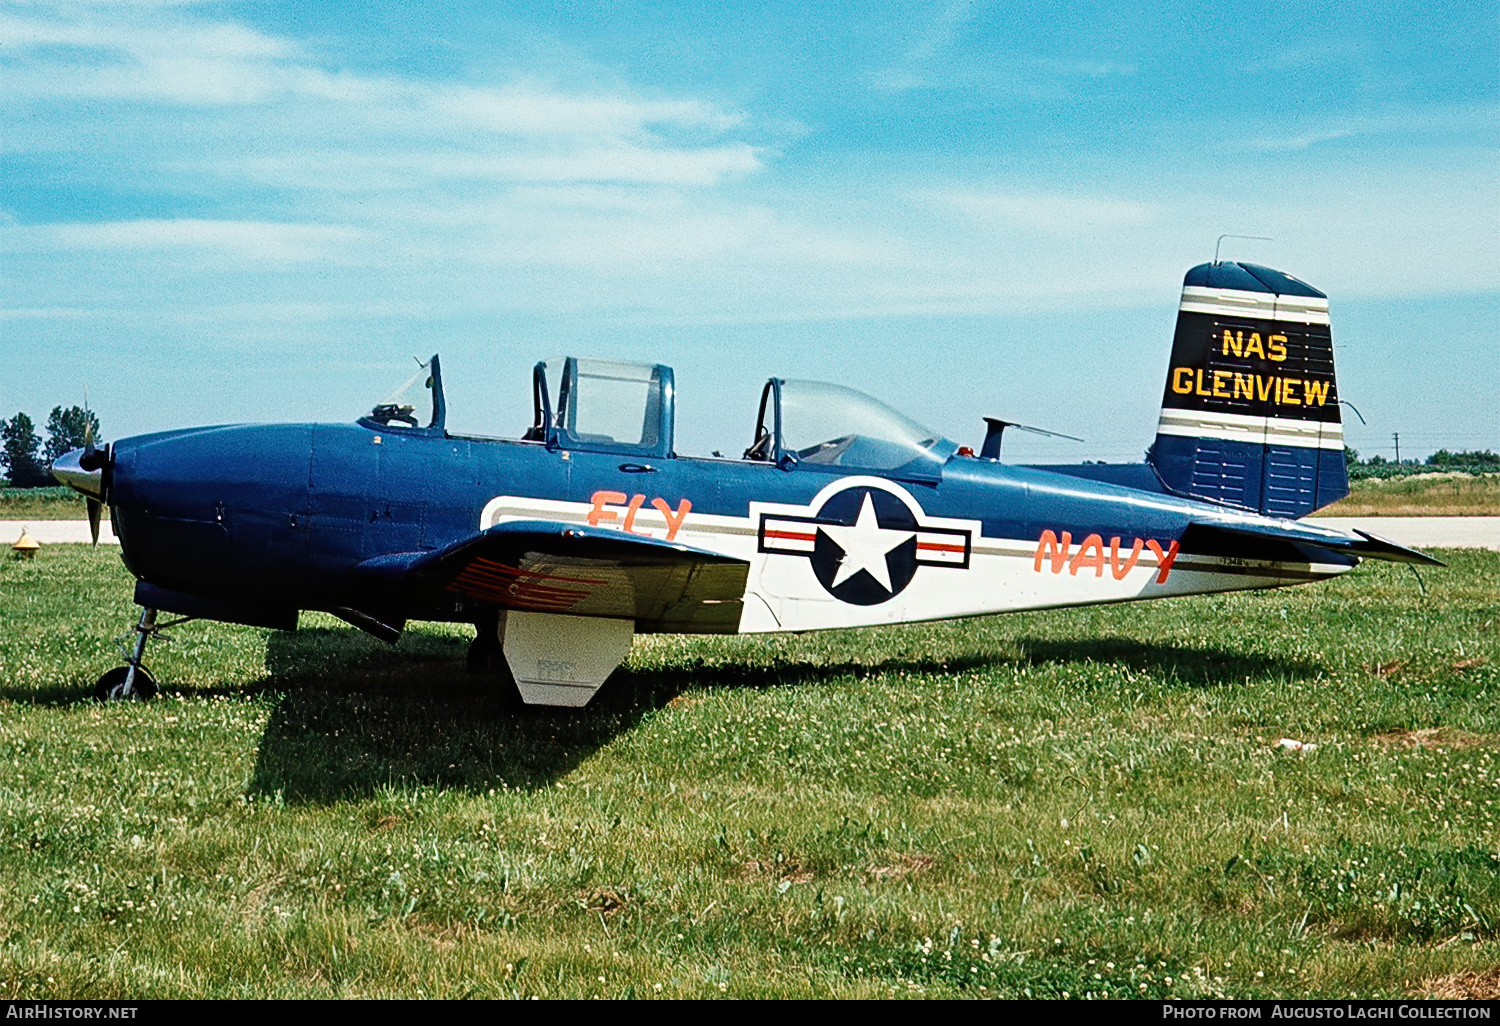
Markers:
point(95, 509)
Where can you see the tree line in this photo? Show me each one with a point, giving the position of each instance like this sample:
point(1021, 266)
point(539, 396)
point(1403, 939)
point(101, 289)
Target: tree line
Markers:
point(26, 460)
point(1469, 461)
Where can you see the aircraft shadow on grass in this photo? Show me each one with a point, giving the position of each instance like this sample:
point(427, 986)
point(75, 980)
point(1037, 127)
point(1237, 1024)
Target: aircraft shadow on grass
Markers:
point(1194, 667)
point(421, 719)
point(346, 728)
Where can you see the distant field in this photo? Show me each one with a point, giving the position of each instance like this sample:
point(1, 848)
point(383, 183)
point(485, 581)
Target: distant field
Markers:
point(1423, 495)
point(1070, 803)
point(1426, 495)
point(41, 504)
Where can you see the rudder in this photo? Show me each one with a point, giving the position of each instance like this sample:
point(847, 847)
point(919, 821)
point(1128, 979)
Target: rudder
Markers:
point(1250, 414)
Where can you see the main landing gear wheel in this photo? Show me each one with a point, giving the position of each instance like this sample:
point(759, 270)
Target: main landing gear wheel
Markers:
point(111, 686)
point(485, 654)
point(486, 658)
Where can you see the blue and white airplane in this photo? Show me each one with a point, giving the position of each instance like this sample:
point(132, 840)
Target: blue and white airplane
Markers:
point(561, 545)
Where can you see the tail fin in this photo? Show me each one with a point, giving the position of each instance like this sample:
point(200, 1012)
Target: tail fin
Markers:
point(1250, 416)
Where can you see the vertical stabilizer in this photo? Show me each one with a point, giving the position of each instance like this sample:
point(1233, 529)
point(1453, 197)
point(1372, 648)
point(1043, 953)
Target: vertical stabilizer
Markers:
point(1250, 415)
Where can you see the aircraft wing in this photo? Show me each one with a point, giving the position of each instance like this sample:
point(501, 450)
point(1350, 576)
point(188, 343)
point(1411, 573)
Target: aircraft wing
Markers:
point(549, 567)
point(1282, 542)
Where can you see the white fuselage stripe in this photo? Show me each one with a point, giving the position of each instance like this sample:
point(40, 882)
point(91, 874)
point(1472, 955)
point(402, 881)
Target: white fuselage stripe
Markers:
point(1001, 574)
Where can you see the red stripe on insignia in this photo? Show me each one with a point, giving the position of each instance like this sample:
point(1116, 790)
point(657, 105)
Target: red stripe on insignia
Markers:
point(792, 535)
point(935, 547)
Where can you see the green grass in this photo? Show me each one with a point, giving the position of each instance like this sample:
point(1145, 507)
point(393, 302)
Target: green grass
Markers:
point(1077, 802)
point(1425, 495)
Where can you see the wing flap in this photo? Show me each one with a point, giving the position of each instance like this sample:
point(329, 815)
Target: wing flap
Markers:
point(543, 566)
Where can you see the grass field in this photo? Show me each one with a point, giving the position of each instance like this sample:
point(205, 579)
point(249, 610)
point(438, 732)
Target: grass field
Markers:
point(1426, 495)
point(1080, 803)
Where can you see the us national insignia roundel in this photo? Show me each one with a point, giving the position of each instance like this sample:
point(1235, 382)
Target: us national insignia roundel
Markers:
point(865, 542)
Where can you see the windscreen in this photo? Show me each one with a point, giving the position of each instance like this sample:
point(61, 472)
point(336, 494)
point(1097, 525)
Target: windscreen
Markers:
point(410, 404)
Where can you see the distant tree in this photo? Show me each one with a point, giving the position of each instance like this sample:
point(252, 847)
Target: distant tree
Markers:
point(1351, 457)
point(1470, 460)
point(68, 430)
point(19, 452)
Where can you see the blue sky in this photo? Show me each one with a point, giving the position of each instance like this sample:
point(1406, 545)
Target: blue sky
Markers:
point(217, 212)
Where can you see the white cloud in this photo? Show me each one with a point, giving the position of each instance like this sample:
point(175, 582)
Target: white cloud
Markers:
point(250, 240)
point(336, 186)
point(72, 26)
point(1302, 141)
point(943, 30)
point(1053, 213)
point(534, 111)
point(1457, 120)
point(348, 172)
point(627, 164)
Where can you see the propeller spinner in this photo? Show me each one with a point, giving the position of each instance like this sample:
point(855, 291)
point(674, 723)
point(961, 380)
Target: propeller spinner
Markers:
point(86, 471)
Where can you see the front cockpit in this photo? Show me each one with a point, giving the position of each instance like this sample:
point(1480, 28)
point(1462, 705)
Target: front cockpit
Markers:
point(418, 399)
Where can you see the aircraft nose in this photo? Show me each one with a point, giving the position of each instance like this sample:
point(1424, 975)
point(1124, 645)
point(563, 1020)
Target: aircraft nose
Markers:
point(68, 469)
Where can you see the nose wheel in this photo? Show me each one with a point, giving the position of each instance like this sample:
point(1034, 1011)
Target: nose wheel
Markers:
point(114, 685)
point(133, 680)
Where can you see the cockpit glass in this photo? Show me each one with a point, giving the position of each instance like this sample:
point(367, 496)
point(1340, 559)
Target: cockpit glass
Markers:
point(613, 401)
point(605, 402)
point(409, 405)
point(831, 425)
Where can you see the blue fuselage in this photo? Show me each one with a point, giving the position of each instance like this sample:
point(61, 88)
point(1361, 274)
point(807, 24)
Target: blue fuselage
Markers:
point(282, 513)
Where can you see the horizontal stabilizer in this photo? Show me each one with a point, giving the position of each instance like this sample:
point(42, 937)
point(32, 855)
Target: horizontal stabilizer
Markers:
point(1249, 541)
point(1384, 548)
point(549, 567)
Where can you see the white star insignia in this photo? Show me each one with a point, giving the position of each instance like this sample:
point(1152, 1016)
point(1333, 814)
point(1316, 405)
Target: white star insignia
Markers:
point(865, 545)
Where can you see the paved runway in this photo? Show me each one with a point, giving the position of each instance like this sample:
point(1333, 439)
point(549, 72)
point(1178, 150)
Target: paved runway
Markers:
point(1432, 532)
point(53, 532)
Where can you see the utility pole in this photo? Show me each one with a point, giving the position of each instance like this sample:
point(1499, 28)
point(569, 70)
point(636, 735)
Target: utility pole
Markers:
point(1397, 436)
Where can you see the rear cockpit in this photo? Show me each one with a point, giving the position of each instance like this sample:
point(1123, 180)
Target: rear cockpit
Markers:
point(603, 406)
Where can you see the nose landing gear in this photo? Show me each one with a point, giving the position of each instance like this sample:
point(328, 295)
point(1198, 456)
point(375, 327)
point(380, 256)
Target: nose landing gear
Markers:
point(133, 680)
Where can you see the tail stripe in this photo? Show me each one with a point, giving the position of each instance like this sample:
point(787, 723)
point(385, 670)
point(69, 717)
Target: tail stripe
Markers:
point(1232, 427)
point(1258, 305)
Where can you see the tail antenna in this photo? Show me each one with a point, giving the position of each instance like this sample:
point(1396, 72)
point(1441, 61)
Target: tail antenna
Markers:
point(1261, 238)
